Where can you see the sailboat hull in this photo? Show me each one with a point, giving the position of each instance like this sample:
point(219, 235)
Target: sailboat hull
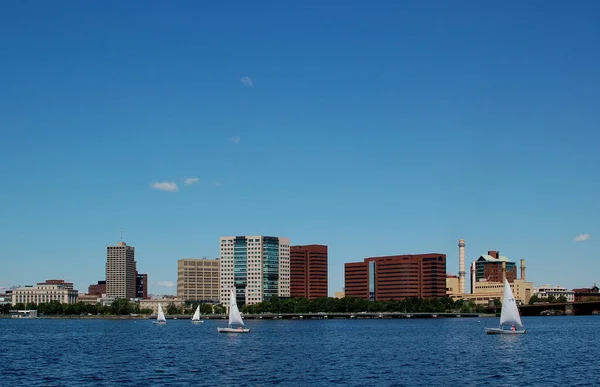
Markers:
point(159, 322)
point(498, 331)
point(197, 321)
point(233, 330)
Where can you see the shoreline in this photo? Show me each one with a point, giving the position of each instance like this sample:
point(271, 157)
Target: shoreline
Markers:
point(308, 316)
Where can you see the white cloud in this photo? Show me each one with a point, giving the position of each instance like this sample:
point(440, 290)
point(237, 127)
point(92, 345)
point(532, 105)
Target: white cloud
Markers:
point(166, 284)
point(246, 81)
point(236, 139)
point(191, 180)
point(582, 237)
point(166, 186)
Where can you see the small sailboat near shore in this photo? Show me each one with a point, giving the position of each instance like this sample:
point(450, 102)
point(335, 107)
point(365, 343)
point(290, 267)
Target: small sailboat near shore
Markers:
point(196, 316)
point(509, 315)
point(160, 317)
point(235, 318)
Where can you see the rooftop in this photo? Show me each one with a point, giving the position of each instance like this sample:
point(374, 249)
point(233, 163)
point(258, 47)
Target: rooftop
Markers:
point(489, 258)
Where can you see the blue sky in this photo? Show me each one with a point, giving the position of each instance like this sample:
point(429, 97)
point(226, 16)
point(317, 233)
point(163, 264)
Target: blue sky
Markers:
point(389, 128)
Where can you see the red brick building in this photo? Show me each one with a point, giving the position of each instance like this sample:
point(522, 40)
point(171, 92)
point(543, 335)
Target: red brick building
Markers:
point(396, 277)
point(587, 294)
point(308, 271)
point(98, 289)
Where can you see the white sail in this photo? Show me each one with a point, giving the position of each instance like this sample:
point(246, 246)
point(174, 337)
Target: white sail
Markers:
point(196, 316)
point(234, 314)
point(510, 313)
point(161, 315)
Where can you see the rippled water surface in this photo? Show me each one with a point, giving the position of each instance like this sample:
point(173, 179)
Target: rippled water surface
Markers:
point(429, 352)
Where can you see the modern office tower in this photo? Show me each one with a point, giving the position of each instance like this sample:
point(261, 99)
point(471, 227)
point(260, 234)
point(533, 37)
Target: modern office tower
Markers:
point(396, 277)
point(198, 279)
point(120, 271)
point(258, 266)
point(308, 271)
point(141, 286)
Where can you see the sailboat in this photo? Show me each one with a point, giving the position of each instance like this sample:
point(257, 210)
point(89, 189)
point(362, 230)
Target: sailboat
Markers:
point(509, 315)
point(160, 318)
point(235, 318)
point(196, 316)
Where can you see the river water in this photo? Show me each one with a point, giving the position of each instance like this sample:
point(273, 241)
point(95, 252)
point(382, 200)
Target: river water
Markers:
point(556, 351)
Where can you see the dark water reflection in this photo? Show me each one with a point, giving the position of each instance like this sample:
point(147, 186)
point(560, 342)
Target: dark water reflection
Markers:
point(430, 352)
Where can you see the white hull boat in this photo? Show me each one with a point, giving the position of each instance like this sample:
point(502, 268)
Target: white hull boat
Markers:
point(233, 330)
point(509, 315)
point(235, 318)
point(500, 331)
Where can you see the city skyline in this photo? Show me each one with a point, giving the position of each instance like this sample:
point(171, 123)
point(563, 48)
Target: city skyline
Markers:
point(382, 130)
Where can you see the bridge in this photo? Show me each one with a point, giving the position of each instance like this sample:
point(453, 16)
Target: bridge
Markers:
point(573, 308)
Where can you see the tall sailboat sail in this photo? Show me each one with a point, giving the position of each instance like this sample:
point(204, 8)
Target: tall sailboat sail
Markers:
point(510, 313)
point(234, 313)
point(235, 318)
point(160, 318)
point(196, 316)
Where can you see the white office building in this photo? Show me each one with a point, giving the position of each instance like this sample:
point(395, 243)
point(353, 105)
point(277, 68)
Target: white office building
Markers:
point(258, 266)
point(44, 293)
point(544, 291)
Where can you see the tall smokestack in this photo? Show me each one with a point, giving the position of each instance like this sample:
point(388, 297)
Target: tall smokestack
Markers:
point(461, 266)
point(473, 276)
point(503, 271)
point(523, 269)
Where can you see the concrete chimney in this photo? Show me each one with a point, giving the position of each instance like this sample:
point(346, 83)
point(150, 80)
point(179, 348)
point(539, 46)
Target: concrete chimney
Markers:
point(461, 266)
point(523, 269)
point(473, 276)
point(503, 271)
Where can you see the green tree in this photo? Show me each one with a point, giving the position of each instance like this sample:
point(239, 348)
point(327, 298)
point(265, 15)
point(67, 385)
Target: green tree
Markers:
point(219, 309)
point(121, 307)
point(172, 309)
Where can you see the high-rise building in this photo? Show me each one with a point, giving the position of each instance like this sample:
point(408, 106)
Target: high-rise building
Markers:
point(308, 271)
point(396, 277)
point(198, 279)
point(120, 271)
point(141, 286)
point(258, 266)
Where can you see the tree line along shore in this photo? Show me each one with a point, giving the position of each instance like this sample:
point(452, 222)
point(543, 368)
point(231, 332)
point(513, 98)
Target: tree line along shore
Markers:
point(123, 307)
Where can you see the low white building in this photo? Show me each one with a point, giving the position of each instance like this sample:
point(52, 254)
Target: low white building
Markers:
point(164, 303)
point(544, 291)
point(44, 293)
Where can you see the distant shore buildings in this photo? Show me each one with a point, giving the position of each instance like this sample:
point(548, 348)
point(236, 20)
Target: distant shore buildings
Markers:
point(396, 277)
point(487, 279)
point(262, 267)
